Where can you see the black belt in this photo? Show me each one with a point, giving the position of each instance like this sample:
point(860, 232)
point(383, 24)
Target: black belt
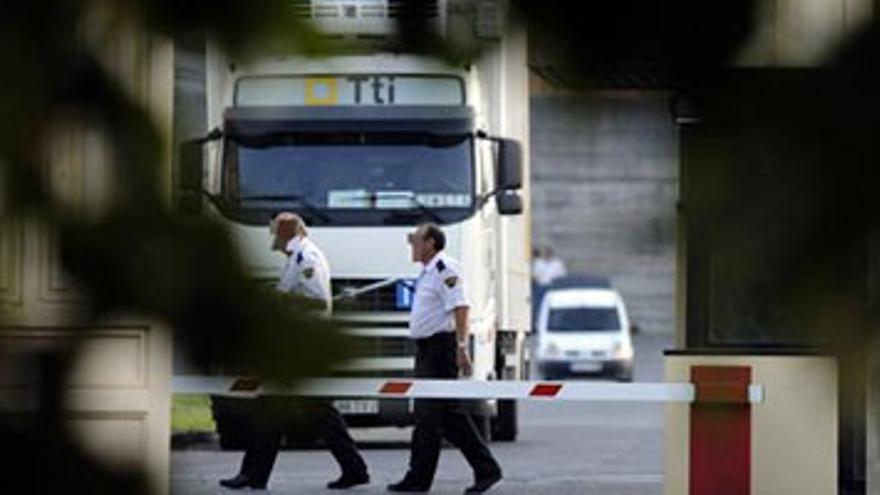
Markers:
point(439, 336)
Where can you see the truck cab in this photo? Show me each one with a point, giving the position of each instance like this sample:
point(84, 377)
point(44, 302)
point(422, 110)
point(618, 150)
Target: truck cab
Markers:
point(364, 148)
point(366, 144)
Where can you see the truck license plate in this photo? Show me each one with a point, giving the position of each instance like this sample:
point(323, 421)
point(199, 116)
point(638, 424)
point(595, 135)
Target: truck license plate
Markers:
point(357, 406)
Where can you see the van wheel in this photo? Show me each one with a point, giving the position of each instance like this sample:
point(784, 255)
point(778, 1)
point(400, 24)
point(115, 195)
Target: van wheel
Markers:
point(625, 375)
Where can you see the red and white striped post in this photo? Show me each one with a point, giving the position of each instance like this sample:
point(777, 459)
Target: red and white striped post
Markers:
point(725, 443)
point(720, 431)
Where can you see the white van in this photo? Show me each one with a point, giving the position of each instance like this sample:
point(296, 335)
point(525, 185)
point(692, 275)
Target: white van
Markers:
point(582, 327)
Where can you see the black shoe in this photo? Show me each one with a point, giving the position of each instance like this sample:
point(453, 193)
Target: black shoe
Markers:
point(405, 485)
point(484, 483)
point(348, 481)
point(241, 481)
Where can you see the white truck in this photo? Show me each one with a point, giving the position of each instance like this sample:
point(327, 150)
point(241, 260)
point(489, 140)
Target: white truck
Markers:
point(365, 147)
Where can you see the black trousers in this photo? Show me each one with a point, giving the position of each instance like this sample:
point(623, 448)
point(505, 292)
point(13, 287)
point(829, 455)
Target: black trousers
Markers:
point(439, 418)
point(272, 413)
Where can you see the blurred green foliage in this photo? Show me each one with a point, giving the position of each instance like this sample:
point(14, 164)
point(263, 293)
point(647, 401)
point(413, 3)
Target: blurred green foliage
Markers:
point(191, 413)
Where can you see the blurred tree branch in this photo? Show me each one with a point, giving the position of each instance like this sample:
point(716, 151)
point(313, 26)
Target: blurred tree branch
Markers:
point(136, 257)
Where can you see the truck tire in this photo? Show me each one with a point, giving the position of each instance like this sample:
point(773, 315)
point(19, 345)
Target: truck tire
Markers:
point(504, 425)
point(484, 426)
point(232, 432)
point(232, 416)
point(295, 437)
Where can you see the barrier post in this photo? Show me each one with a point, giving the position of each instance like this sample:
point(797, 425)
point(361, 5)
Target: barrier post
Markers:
point(720, 431)
point(728, 443)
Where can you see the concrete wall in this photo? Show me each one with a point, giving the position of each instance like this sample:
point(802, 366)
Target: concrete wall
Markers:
point(604, 188)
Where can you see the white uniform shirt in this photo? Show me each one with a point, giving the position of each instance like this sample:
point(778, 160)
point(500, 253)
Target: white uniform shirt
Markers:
point(306, 272)
point(439, 290)
point(545, 271)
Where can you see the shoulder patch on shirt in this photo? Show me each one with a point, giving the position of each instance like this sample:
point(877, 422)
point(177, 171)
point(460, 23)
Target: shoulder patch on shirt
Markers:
point(308, 272)
point(450, 281)
point(441, 266)
point(299, 257)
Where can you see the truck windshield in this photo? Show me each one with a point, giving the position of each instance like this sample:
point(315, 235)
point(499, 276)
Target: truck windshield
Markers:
point(583, 319)
point(350, 179)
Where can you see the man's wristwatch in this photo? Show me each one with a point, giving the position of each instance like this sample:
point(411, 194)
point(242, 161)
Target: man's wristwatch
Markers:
point(463, 344)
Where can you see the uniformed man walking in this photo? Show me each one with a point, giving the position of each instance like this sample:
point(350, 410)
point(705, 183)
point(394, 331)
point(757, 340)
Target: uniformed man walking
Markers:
point(306, 274)
point(439, 325)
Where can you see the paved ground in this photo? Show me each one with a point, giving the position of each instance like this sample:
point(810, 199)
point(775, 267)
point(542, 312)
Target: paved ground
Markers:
point(568, 448)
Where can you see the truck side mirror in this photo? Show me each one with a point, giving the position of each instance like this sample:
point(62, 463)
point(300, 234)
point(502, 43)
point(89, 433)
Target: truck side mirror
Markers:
point(509, 164)
point(508, 203)
point(190, 172)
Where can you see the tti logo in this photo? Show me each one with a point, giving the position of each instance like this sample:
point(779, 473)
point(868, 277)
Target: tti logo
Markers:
point(321, 91)
point(378, 90)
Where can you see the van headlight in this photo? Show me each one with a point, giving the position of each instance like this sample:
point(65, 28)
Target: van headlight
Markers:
point(551, 350)
point(622, 351)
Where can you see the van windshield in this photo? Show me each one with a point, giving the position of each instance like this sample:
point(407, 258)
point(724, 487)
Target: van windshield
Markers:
point(583, 320)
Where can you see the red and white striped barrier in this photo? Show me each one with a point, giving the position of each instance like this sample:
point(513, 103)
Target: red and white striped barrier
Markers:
point(467, 389)
point(719, 400)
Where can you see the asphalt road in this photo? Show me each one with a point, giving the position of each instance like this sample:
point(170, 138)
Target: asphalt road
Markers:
point(563, 448)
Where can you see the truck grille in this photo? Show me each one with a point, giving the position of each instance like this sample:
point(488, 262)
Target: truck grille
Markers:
point(376, 322)
point(383, 346)
point(373, 374)
point(424, 9)
point(366, 9)
point(382, 299)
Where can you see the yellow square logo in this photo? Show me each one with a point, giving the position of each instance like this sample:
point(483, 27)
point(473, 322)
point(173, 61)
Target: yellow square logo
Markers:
point(321, 91)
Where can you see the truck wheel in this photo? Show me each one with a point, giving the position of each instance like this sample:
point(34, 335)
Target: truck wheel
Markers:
point(504, 426)
point(232, 432)
point(484, 426)
point(296, 438)
point(232, 416)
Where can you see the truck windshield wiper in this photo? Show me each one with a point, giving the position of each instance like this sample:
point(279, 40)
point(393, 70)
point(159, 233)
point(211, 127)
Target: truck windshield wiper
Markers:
point(424, 209)
point(400, 217)
point(298, 198)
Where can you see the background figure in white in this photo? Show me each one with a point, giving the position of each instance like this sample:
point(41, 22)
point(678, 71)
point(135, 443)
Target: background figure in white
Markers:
point(546, 267)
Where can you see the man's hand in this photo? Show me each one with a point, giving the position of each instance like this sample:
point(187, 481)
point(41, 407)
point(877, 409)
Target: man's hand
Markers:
point(462, 357)
point(463, 360)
